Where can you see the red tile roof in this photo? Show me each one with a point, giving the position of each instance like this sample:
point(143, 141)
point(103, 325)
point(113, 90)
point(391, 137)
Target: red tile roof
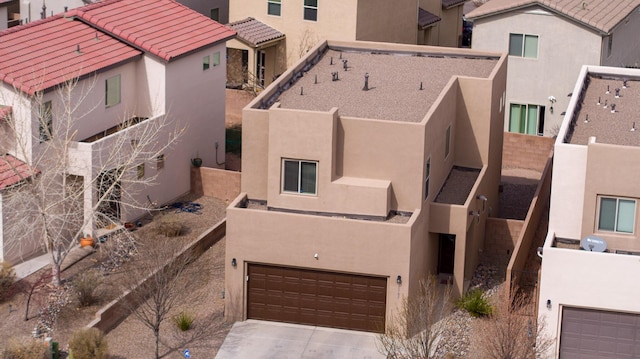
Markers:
point(255, 32)
point(12, 171)
point(164, 28)
point(43, 54)
point(5, 112)
point(602, 15)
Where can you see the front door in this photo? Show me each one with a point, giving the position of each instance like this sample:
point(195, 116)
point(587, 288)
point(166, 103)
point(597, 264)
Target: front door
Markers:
point(446, 253)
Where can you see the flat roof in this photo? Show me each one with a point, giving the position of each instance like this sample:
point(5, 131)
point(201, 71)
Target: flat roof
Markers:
point(594, 115)
point(394, 81)
point(458, 185)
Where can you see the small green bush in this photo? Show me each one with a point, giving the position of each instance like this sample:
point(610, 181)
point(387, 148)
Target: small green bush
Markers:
point(88, 344)
point(7, 278)
point(183, 321)
point(25, 349)
point(169, 226)
point(85, 285)
point(476, 303)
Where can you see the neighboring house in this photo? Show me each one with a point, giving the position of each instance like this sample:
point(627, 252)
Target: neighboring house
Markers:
point(136, 60)
point(591, 256)
point(365, 168)
point(548, 41)
point(217, 10)
point(306, 23)
point(9, 14)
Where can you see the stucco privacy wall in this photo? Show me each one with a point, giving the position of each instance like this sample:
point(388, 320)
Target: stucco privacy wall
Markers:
point(525, 151)
point(217, 183)
point(554, 71)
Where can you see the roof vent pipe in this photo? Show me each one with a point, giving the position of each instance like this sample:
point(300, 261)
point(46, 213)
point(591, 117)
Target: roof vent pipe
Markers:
point(315, 81)
point(341, 55)
point(613, 108)
point(633, 127)
point(617, 93)
point(331, 62)
point(366, 82)
point(599, 101)
point(586, 119)
point(624, 83)
point(334, 76)
point(421, 86)
point(301, 90)
point(344, 64)
point(607, 92)
point(606, 104)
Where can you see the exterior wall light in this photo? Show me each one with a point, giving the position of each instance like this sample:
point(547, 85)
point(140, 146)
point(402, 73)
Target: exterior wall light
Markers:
point(548, 303)
point(234, 263)
point(399, 280)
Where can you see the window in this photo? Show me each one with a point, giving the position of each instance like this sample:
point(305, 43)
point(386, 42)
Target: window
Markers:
point(299, 176)
point(206, 62)
point(523, 45)
point(112, 91)
point(427, 171)
point(45, 122)
point(617, 214)
point(160, 162)
point(528, 119)
point(273, 7)
point(216, 59)
point(311, 10)
point(215, 14)
point(447, 142)
point(140, 170)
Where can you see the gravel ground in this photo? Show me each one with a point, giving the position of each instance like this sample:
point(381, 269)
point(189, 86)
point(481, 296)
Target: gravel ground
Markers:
point(131, 339)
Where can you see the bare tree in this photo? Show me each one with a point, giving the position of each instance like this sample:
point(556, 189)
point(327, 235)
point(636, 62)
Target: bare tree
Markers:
point(152, 288)
point(415, 330)
point(508, 333)
point(306, 41)
point(50, 206)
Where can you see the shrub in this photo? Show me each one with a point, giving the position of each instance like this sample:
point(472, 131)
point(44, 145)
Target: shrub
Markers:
point(476, 303)
point(85, 285)
point(7, 278)
point(169, 226)
point(25, 349)
point(183, 321)
point(88, 344)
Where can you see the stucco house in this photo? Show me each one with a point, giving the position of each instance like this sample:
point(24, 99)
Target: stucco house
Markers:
point(294, 27)
point(366, 167)
point(9, 14)
point(588, 295)
point(548, 41)
point(136, 62)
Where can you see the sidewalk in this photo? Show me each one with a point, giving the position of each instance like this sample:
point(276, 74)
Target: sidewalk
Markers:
point(33, 265)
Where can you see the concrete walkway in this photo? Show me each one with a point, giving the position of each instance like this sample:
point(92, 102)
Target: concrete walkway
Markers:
point(33, 265)
point(260, 339)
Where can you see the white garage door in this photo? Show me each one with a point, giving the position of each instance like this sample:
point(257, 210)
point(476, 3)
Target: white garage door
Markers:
point(597, 334)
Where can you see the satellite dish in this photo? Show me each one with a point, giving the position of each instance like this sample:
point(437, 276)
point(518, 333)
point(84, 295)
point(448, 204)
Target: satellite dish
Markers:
point(593, 244)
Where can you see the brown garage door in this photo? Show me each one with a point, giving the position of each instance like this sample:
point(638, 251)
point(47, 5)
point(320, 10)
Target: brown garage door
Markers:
point(312, 297)
point(597, 334)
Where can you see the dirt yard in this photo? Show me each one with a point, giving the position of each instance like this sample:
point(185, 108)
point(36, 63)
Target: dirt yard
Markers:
point(131, 339)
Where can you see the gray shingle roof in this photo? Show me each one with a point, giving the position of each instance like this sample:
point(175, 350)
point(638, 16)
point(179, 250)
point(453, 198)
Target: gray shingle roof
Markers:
point(426, 19)
point(602, 15)
point(447, 4)
point(254, 32)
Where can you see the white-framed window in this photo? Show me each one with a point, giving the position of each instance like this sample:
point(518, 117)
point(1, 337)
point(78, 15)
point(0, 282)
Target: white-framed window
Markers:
point(45, 122)
point(447, 142)
point(160, 162)
point(427, 174)
point(299, 176)
point(311, 10)
point(112, 91)
point(140, 170)
point(523, 45)
point(527, 119)
point(216, 59)
point(617, 214)
point(206, 63)
point(274, 7)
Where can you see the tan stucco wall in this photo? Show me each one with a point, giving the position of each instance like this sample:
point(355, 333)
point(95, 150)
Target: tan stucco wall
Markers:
point(584, 279)
point(357, 158)
point(553, 73)
point(388, 21)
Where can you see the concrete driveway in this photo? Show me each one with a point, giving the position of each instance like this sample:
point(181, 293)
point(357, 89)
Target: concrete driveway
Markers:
point(260, 339)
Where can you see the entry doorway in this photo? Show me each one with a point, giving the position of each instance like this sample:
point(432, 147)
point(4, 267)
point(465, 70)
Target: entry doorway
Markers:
point(446, 253)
